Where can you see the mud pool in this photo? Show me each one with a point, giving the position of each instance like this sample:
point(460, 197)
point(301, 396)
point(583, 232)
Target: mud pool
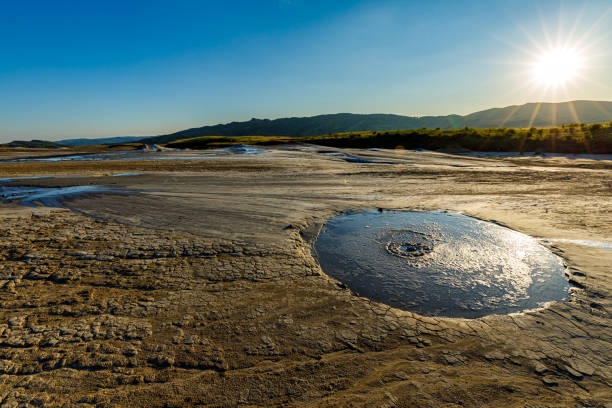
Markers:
point(440, 264)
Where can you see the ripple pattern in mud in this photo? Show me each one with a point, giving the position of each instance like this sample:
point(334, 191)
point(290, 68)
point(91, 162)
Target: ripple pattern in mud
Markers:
point(440, 264)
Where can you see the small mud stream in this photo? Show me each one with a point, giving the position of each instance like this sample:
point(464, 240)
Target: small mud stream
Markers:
point(48, 196)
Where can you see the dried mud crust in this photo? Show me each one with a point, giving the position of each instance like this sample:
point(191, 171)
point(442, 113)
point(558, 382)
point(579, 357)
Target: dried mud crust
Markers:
point(97, 312)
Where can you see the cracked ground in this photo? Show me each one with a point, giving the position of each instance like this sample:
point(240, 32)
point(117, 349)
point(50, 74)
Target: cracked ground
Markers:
point(196, 285)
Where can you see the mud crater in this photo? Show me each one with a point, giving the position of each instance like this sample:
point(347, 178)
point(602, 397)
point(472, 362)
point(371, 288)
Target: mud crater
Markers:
point(440, 264)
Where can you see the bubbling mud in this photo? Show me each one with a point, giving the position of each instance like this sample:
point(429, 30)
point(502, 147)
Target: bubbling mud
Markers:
point(440, 264)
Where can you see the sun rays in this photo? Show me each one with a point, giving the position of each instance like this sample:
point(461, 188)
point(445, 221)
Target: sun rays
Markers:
point(554, 62)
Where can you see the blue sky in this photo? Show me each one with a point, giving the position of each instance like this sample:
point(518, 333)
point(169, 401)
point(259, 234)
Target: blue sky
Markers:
point(107, 68)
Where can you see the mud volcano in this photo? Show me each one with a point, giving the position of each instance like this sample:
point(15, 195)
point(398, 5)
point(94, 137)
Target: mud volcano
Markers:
point(440, 264)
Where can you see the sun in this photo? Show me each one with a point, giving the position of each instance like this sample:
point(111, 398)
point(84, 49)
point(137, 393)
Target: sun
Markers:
point(557, 67)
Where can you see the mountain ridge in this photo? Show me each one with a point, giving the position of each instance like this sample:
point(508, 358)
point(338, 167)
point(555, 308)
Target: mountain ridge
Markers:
point(102, 141)
point(536, 114)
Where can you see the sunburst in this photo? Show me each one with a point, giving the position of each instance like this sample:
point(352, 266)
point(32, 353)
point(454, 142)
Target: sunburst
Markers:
point(557, 67)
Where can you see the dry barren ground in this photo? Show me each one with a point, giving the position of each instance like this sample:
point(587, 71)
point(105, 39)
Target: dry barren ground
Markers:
point(199, 288)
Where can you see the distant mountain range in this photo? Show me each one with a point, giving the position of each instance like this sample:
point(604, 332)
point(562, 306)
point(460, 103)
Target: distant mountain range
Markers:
point(101, 141)
point(34, 144)
point(527, 115)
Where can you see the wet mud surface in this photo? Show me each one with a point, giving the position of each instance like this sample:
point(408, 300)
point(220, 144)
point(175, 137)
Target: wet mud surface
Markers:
point(165, 154)
point(51, 197)
point(201, 288)
point(440, 264)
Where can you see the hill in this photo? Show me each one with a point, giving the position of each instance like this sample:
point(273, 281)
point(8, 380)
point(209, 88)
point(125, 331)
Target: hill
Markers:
point(574, 138)
point(33, 144)
point(541, 115)
point(99, 141)
point(519, 116)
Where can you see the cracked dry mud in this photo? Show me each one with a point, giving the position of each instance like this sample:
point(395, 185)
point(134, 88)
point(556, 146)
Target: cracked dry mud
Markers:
point(200, 288)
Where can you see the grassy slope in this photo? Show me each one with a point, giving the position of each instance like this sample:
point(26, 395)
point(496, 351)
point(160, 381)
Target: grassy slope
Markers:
point(575, 138)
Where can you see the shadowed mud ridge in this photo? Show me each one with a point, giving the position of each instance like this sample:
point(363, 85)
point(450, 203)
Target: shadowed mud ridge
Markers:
point(202, 289)
point(440, 264)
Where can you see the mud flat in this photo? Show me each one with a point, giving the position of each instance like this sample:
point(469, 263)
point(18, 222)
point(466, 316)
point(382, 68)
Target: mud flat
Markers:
point(199, 287)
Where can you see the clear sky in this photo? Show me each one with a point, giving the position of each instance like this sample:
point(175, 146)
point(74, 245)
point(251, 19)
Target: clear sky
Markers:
point(109, 68)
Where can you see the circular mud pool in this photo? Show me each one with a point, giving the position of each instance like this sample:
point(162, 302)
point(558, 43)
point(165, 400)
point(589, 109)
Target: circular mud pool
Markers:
point(440, 264)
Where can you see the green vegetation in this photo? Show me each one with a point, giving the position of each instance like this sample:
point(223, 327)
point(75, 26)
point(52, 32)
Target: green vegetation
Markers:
point(213, 142)
point(572, 138)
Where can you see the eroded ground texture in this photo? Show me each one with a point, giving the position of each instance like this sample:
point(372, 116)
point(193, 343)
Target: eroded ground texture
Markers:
point(199, 288)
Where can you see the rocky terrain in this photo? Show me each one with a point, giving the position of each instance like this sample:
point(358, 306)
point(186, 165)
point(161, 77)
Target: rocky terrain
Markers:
point(200, 287)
